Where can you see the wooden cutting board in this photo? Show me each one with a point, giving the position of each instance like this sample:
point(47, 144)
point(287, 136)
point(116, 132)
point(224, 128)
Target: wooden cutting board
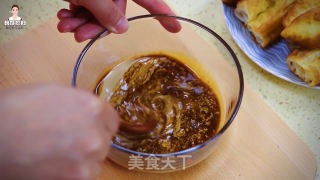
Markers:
point(258, 145)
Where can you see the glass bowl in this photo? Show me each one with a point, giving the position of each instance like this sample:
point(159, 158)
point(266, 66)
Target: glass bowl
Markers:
point(145, 34)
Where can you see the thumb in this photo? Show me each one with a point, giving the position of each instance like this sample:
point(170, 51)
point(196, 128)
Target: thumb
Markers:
point(106, 12)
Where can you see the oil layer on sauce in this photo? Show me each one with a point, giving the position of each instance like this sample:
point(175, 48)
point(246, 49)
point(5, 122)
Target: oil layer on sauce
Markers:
point(187, 108)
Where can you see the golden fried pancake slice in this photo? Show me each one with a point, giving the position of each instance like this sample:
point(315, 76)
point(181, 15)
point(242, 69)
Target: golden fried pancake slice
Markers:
point(305, 30)
point(298, 8)
point(306, 65)
point(248, 10)
point(267, 26)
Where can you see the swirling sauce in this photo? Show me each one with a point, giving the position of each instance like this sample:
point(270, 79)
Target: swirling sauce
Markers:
point(187, 109)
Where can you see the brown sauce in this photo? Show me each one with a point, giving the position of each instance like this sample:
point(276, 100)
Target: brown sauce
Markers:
point(188, 110)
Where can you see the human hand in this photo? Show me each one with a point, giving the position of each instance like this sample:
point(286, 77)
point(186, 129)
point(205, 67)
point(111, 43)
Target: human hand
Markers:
point(86, 18)
point(53, 132)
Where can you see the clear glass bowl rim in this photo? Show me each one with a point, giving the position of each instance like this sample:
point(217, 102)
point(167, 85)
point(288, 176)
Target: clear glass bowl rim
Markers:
point(223, 42)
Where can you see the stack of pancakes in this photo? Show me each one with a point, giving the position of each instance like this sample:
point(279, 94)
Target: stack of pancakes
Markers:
point(298, 21)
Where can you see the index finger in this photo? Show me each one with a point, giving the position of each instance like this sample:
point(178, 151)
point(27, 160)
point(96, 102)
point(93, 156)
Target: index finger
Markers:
point(106, 12)
point(160, 7)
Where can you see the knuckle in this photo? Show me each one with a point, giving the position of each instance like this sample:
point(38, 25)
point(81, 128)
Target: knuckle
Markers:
point(96, 144)
point(95, 104)
point(87, 144)
point(89, 171)
point(93, 143)
point(82, 173)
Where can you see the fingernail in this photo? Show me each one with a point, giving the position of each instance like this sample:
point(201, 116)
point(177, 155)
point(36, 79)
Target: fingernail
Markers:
point(121, 26)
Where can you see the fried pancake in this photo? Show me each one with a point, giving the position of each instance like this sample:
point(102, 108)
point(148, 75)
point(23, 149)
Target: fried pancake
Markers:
point(306, 65)
point(267, 26)
point(298, 8)
point(248, 10)
point(305, 30)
